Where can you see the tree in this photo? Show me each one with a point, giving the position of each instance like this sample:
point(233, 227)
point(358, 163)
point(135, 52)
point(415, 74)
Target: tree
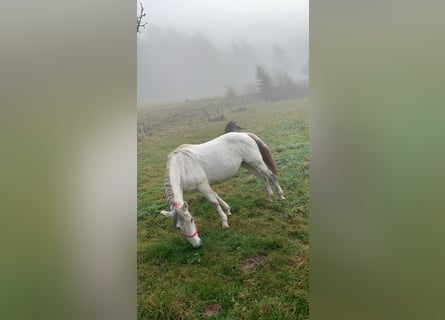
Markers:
point(139, 19)
point(281, 60)
point(285, 87)
point(264, 83)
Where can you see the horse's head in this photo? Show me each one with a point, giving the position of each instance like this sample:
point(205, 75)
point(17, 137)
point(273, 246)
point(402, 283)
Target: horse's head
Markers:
point(183, 221)
point(231, 126)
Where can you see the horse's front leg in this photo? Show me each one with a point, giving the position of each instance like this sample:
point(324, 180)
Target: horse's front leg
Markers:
point(224, 205)
point(207, 191)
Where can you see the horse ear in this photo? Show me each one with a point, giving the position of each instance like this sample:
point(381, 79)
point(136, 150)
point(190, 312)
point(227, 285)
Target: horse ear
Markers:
point(185, 206)
point(168, 214)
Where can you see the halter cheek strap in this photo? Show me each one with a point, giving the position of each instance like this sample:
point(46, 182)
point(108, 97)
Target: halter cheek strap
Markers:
point(193, 234)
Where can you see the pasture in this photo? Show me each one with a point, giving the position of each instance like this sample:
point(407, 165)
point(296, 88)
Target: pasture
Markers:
point(256, 269)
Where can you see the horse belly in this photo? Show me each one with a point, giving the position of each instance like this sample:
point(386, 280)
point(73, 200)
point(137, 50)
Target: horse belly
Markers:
point(217, 174)
point(220, 162)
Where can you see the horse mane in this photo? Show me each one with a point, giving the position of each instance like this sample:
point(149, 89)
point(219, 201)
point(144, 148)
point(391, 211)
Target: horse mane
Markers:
point(169, 195)
point(179, 151)
point(265, 153)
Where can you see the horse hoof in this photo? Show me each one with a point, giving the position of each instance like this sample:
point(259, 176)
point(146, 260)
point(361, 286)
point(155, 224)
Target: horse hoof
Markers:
point(225, 226)
point(269, 199)
point(282, 198)
point(228, 213)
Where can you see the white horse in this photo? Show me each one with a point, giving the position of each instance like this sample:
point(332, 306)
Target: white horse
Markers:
point(195, 167)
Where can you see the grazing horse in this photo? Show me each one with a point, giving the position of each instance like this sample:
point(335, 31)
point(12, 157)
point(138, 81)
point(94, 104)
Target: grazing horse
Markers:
point(195, 167)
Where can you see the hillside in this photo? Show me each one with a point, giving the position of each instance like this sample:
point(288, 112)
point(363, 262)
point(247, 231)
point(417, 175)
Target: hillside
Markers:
point(256, 269)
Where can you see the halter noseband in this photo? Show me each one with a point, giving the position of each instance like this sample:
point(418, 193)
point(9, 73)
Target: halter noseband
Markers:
point(176, 205)
point(193, 234)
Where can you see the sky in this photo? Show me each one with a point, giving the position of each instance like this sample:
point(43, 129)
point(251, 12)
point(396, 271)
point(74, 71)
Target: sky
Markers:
point(259, 21)
point(261, 24)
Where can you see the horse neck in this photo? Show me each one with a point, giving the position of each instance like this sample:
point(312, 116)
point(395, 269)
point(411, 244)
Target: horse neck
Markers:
point(173, 183)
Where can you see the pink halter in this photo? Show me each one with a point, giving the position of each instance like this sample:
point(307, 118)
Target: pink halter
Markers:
point(193, 234)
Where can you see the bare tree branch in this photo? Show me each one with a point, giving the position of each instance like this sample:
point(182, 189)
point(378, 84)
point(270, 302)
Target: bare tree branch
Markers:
point(139, 19)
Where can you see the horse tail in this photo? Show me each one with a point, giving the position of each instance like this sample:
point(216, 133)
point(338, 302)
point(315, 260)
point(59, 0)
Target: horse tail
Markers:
point(265, 153)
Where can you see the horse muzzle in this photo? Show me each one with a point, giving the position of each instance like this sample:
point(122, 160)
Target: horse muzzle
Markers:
point(196, 242)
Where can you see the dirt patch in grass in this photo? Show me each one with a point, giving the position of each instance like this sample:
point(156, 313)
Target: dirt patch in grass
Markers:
point(212, 310)
point(252, 263)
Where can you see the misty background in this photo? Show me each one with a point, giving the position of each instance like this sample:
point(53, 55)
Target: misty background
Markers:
point(197, 49)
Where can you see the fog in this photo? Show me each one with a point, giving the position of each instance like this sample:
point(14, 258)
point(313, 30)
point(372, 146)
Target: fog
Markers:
point(197, 48)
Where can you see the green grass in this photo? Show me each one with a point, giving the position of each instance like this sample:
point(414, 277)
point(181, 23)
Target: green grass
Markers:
point(176, 281)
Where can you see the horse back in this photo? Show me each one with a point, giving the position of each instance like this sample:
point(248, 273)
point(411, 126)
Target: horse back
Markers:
point(221, 157)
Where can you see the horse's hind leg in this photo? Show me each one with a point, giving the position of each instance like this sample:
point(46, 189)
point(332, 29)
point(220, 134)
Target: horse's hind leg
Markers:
point(211, 196)
point(262, 177)
point(272, 178)
point(264, 171)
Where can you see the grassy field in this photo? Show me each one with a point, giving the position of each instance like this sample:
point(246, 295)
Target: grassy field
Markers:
point(256, 269)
